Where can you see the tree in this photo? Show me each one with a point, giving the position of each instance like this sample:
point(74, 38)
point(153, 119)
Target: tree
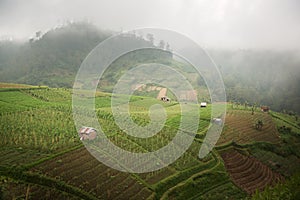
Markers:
point(161, 44)
point(168, 47)
point(246, 104)
point(38, 34)
point(150, 37)
point(259, 124)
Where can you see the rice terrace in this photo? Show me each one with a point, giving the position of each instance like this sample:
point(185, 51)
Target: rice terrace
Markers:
point(42, 155)
point(149, 100)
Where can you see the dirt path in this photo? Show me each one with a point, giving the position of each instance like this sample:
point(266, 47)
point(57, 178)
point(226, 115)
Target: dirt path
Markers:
point(162, 93)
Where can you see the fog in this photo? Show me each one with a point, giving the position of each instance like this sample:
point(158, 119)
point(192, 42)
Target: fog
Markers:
point(268, 24)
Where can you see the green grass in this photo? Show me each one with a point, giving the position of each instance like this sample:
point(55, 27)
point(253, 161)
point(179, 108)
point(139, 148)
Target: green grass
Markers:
point(288, 190)
point(199, 186)
point(18, 156)
point(13, 101)
point(286, 120)
point(285, 165)
point(201, 182)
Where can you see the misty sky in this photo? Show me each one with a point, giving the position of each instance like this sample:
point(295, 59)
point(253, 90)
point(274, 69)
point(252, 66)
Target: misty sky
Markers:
point(271, 24)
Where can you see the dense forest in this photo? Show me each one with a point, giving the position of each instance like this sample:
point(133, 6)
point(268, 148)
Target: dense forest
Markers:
point(260, 77)
point(49, 59)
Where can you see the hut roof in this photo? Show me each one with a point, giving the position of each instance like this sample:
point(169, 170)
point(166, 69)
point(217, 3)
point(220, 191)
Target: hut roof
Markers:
point(265, 108)
point(86, 130)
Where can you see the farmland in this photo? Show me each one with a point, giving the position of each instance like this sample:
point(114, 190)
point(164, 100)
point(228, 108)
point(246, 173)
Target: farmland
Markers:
point(248, 173)
point(240, 128)
point(41, 154)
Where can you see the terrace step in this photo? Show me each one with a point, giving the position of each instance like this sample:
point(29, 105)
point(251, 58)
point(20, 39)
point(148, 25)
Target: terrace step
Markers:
point(249, 173)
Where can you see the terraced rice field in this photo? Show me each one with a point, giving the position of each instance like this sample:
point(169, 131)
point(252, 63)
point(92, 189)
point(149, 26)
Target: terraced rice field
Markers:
point(249, 173)
point(43, 158)
point(27, 191)
point(78, 168)
point(240, 128)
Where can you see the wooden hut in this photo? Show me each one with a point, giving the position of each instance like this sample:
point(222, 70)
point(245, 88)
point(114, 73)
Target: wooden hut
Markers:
point(265, 108)
point(203, 104)
point(87, 133)
point(217, 121)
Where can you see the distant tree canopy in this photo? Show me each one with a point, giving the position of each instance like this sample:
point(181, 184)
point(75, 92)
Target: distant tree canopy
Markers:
point(53, 58)
point(261, 77)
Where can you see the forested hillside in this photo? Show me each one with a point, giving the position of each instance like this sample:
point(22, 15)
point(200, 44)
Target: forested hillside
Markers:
point(53, 58)
point(263, 77)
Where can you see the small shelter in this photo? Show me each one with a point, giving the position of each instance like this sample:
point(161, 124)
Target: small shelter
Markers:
point(265, 108)
point(203, 104)
point(87, 133)
point(217, 121)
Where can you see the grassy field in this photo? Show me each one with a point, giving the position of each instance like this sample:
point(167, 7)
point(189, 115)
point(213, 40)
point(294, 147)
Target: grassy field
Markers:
point(41, 154)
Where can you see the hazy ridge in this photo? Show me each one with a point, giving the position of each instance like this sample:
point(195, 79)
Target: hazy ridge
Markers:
point(254, 76)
